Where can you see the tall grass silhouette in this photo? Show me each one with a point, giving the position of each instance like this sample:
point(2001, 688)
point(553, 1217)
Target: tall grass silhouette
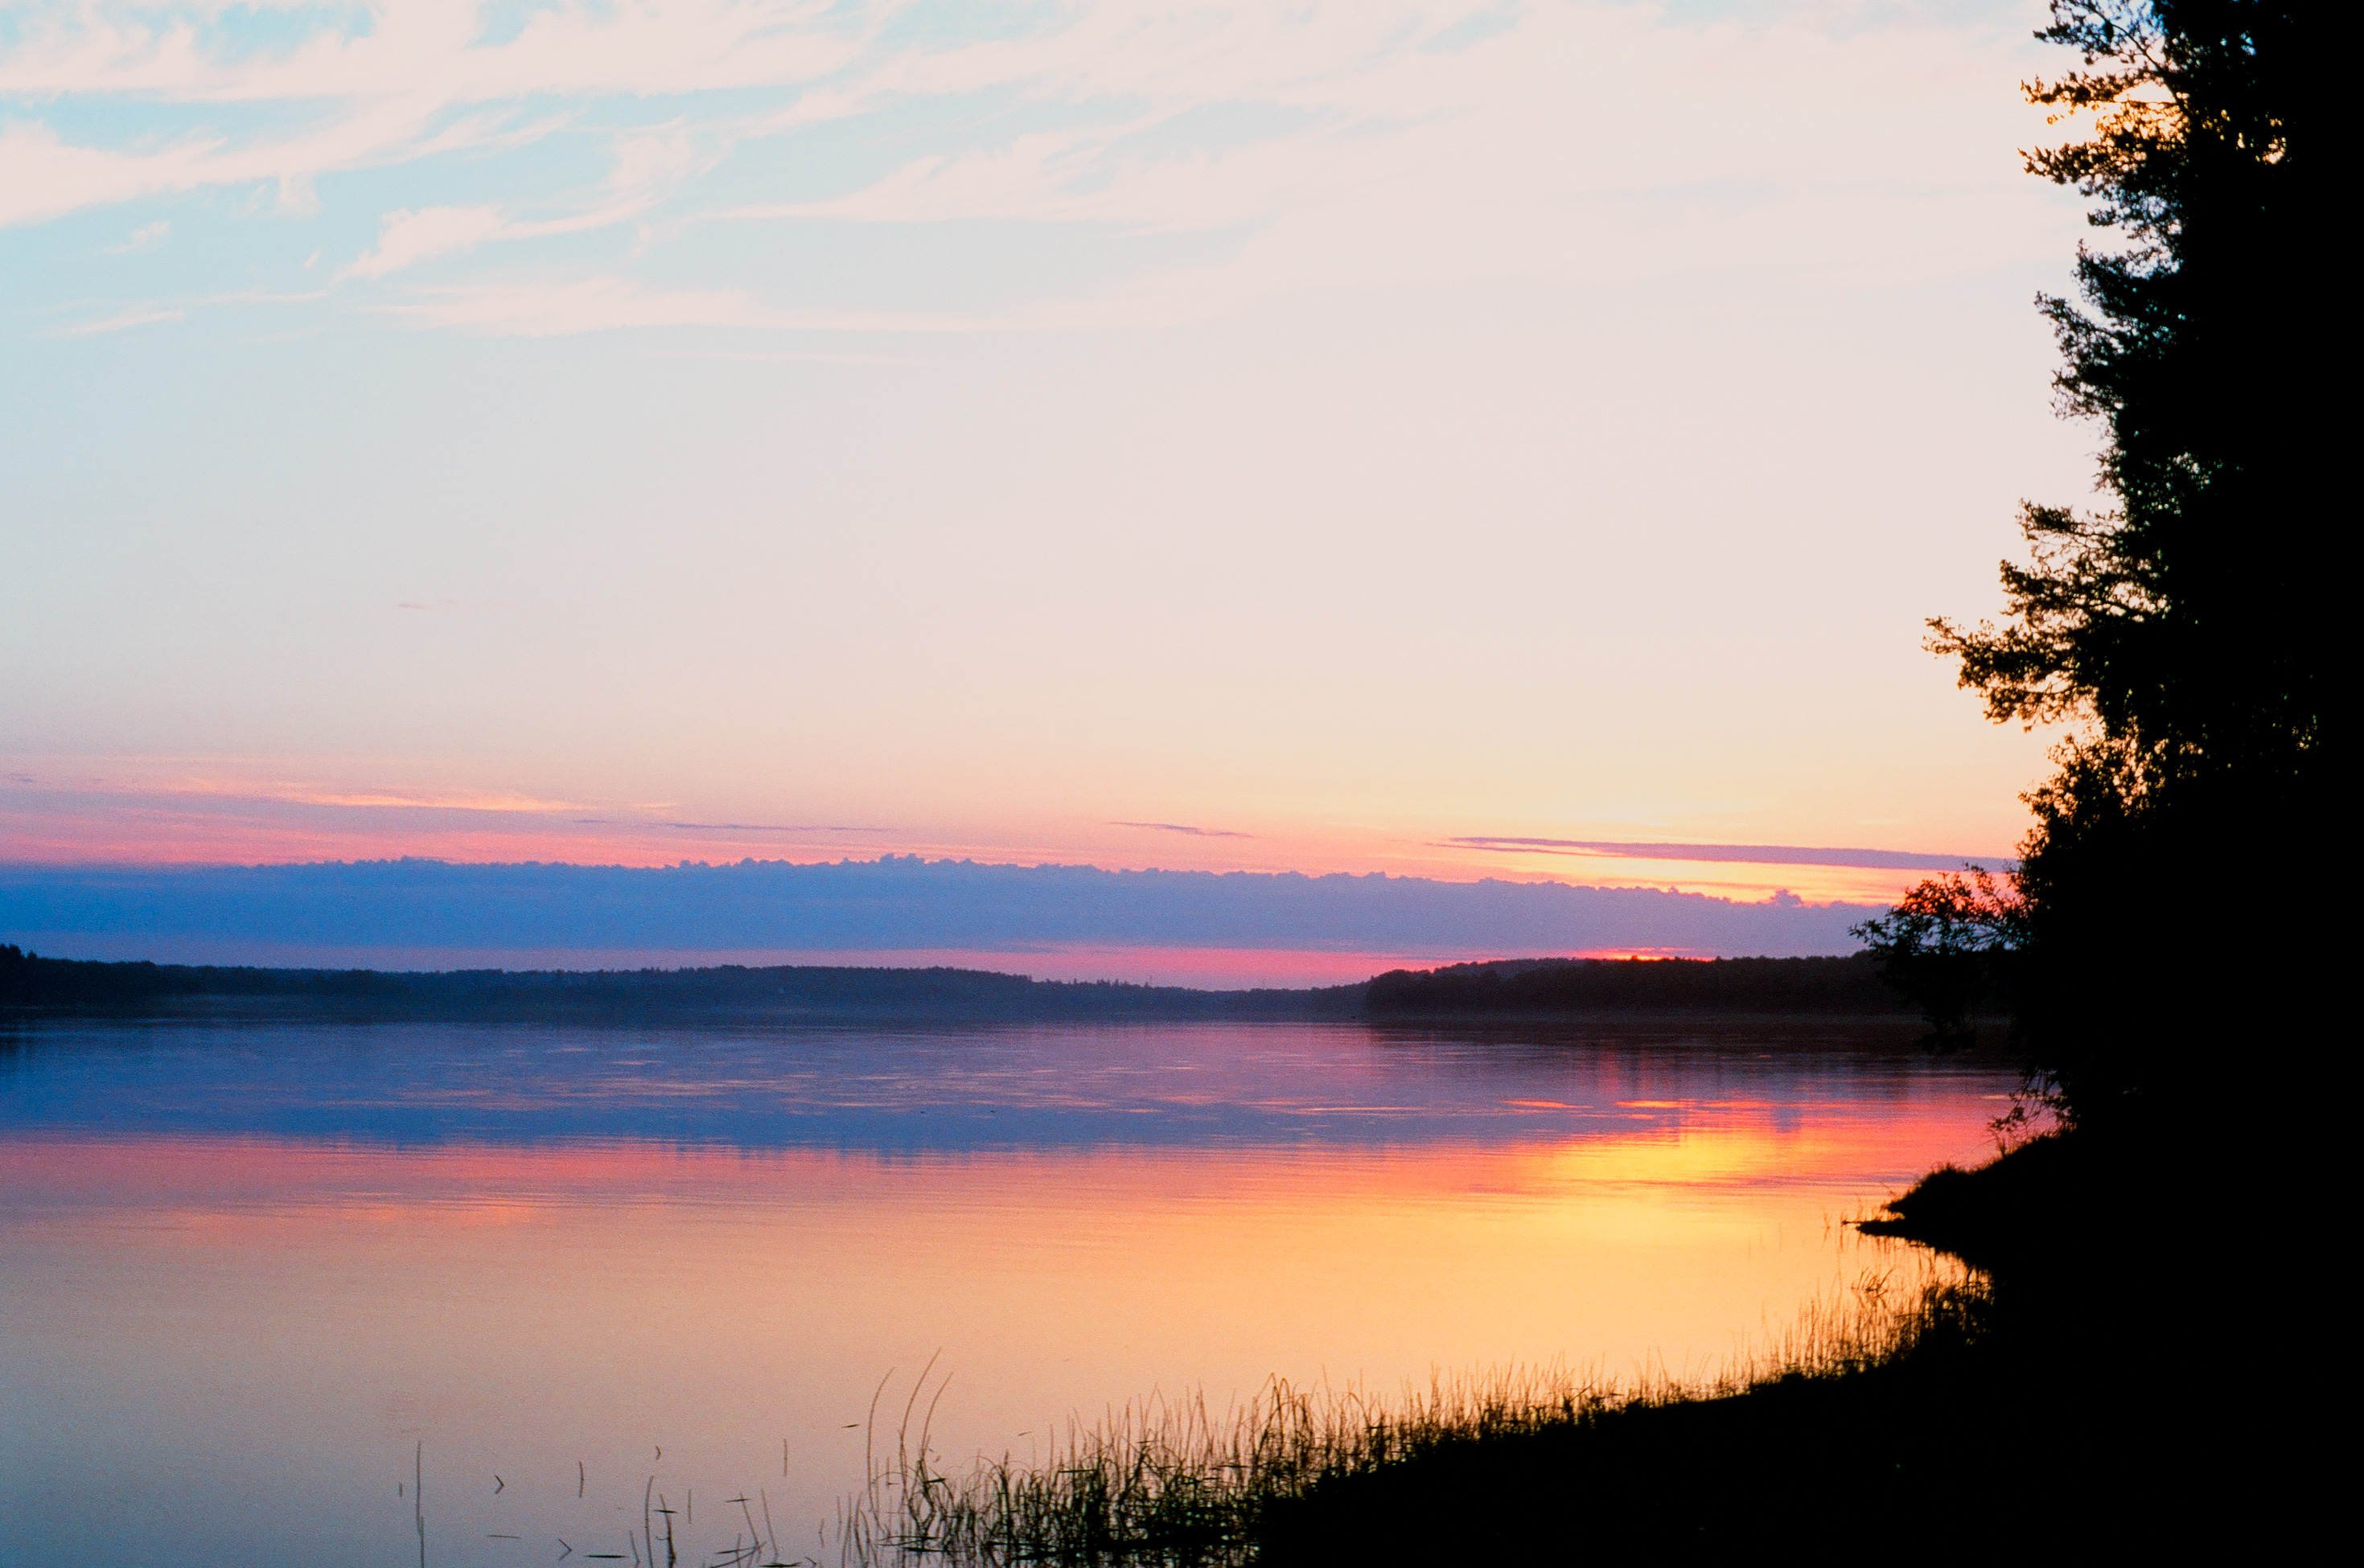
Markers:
point(1173, 1483)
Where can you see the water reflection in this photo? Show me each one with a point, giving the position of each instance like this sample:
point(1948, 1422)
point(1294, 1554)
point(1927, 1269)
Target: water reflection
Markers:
point(243, 1272)
point(1185, 1085)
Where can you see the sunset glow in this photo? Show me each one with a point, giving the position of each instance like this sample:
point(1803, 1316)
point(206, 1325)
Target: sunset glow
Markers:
point(1192, 437)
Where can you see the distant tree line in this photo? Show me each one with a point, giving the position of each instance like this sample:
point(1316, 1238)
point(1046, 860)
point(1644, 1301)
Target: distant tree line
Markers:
point(1526, 987)
point(27, 981)
point(1572, 987)
point(951, 995)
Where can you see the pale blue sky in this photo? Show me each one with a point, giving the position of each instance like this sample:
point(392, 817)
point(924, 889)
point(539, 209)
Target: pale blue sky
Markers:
point(488, 429)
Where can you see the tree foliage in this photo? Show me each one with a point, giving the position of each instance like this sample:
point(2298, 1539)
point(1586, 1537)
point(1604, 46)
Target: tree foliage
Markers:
point(1948, 946)
point(2187, 630)
point(2170, 619)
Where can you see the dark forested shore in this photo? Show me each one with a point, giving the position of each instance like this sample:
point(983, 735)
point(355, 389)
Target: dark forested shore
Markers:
point(1848, 985)
point(788, 992)
point(1511, 991)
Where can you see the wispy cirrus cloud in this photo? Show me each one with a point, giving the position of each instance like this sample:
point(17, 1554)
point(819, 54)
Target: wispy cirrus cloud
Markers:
point(537, 309)
point(383, 799)
point(390, 87)
point(1742, 854)
point(409, 238)
point(123, 320)
point(647, 166)
point(769, 827)
point(1185, 829)
point(458, 49)
point(147, 234)
point(162, 779)
point(1364, 144)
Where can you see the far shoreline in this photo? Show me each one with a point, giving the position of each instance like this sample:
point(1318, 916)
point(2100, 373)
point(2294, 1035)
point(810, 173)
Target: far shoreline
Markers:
point(1522, 994)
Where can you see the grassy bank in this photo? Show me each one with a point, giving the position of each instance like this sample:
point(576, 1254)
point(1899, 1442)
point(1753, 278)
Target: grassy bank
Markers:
point(1471, 1465)
point(2088, 1391)
point(2045, 1403)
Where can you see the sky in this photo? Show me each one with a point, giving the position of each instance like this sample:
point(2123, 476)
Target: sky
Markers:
point(1454, 441)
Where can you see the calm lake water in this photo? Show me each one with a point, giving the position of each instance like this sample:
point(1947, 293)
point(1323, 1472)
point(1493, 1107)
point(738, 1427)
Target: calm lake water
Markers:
point(253, 1278)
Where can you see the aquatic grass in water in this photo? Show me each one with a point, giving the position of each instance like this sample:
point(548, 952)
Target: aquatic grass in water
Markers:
point(1170, 1484)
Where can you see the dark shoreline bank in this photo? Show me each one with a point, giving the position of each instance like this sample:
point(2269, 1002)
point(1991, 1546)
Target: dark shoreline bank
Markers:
point(2045, 1406)
point(2048, 1406)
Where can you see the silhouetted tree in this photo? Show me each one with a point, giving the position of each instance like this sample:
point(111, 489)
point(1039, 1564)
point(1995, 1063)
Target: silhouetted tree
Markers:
point(2188, 630)
point(1949, 946)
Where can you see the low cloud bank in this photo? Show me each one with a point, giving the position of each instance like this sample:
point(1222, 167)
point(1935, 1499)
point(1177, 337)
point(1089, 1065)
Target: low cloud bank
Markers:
point(898, 902)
